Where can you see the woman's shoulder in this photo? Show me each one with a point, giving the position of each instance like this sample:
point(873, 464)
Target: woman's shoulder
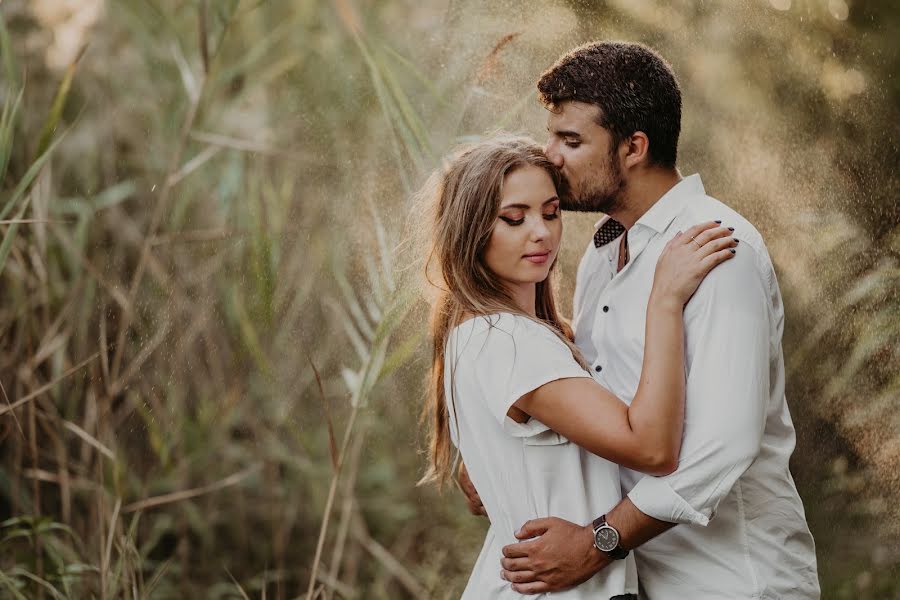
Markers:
point(509, 323)
point(502, 333)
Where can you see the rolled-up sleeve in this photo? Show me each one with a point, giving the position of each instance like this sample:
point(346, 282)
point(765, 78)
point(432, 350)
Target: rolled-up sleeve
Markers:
point(728, 337)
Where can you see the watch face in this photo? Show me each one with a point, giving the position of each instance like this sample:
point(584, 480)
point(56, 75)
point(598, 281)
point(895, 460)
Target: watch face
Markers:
point(606, 538)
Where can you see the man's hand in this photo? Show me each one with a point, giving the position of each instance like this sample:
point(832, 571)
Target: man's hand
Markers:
point(562, 555)
point(472, 497)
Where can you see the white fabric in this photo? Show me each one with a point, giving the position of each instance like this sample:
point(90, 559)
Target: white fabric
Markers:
point(522, 471)
point(743, 534)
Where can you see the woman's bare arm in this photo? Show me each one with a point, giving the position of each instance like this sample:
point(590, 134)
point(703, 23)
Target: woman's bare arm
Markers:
point(645, 436)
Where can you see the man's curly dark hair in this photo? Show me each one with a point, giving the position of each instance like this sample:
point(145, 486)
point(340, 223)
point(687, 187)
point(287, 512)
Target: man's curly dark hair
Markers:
point(634, 88)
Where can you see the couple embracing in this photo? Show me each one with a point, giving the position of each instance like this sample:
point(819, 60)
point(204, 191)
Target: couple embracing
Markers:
point(641, 452)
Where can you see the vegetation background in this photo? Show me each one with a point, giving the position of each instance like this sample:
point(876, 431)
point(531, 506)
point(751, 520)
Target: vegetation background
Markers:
point(212, 346)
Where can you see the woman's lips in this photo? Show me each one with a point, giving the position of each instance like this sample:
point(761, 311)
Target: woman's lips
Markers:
point(538, 258)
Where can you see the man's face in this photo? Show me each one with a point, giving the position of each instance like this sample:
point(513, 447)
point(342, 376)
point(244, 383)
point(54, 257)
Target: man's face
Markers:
point(584, 151)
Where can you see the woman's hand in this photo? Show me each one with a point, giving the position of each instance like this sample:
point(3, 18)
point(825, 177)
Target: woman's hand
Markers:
point(687, 259)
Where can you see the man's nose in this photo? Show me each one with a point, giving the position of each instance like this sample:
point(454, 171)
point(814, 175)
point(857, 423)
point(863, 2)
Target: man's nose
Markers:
point(553, 154)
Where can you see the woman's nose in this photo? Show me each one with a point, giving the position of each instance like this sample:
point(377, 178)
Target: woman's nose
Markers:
point(539, 230)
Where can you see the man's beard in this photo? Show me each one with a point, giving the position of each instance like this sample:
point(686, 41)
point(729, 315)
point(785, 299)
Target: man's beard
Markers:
point(604, 196)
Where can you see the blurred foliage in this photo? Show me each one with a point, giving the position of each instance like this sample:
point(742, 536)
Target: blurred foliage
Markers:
point(212, 351)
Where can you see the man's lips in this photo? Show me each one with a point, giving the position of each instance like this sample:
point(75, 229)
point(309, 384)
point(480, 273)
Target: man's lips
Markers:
point(538, 258)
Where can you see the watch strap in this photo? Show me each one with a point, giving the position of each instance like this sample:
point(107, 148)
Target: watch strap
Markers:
point(617, 553)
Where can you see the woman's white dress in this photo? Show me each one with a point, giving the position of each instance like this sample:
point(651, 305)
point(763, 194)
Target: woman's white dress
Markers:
point(522, 471)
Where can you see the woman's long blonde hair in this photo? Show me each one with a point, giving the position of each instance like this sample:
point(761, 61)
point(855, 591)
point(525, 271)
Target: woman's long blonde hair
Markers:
point(465, 202)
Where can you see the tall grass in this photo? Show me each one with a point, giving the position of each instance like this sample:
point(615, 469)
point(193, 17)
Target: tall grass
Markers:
point(212, 345)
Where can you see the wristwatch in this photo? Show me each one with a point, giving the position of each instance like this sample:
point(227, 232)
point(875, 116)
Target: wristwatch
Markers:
point(606, 539)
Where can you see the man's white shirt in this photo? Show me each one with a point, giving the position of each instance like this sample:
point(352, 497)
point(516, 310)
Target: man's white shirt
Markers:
point(742, 532)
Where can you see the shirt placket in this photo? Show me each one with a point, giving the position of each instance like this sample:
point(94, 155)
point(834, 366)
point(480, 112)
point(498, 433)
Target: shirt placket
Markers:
point(615, 292)
point(601, 318)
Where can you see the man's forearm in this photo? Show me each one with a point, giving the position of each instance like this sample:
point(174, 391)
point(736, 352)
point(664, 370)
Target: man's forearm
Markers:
point(634, 527)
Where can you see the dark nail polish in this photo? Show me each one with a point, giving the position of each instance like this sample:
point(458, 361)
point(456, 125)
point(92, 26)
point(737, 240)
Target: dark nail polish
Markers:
point(731, 229)
point(737, 241)
point(733, 251)
point(719, 222)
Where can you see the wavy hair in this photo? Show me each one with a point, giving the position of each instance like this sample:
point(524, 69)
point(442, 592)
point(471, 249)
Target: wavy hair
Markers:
point(464, 199)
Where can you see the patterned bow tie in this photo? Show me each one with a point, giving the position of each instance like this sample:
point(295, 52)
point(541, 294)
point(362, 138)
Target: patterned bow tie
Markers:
point(607, 232)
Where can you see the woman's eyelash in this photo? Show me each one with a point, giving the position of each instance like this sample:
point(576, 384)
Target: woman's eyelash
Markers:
point(547, 216)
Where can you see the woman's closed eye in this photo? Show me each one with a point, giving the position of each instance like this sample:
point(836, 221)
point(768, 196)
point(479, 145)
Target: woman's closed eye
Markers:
point(511, 221)
point(551, 215)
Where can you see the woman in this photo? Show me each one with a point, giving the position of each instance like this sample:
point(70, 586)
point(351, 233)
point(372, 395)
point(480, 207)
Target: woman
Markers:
point(510, 390)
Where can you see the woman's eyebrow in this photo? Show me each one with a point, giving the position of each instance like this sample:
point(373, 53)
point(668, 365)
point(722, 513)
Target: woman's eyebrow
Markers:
point(527, 206)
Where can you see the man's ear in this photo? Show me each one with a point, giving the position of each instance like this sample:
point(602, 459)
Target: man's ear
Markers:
point(637, 149)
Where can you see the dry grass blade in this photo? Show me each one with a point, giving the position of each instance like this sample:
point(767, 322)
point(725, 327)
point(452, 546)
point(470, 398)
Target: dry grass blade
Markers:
point(47, 477)
point(9, 407)
point(197, 235)
point(491, 63)
point(192, 493)
point(390, 563)
point(329, 503)
point(45, 585)
point(236, 584)
point(202, 29)
point(141, 358)
point(107, 553)
point(31, 221)
point(91, 440)
point(157, 578)
point(44, 388)
point(234, 143)
point(338, 586)
point(195, 163)
point(349, 17)
point(332, 440)
point(113, 290)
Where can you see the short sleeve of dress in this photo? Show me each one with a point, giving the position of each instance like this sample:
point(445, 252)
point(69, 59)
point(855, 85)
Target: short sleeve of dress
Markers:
point(507, 356)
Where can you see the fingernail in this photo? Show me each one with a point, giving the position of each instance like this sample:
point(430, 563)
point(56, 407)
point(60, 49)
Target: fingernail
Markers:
point(733, 251)
point(737, 241)
point(502, 575)
point(731, 229)
point(719, 222)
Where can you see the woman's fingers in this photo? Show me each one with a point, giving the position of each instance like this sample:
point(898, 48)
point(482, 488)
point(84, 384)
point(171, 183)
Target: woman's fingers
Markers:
point(715, 259)
point(697, 230)
point(716, 244)
point(711, 234)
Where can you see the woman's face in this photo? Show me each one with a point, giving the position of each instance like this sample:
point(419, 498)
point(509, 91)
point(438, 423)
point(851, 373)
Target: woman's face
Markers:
point(527, 233)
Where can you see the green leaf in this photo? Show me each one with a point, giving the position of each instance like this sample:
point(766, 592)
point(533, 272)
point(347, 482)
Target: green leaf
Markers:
point(29, 178)
point(8, 237)
point(7, 130)
point(9, 59)
point(59, 104)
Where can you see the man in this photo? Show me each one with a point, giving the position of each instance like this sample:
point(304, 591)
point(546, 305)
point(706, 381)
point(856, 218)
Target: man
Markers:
point(728, 523)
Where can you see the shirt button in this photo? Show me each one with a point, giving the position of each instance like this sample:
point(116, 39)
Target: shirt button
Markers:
point(598, 368)
point(605, 309)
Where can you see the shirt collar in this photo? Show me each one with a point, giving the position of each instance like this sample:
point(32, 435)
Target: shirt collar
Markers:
point(664, 211)
point(668, 206)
